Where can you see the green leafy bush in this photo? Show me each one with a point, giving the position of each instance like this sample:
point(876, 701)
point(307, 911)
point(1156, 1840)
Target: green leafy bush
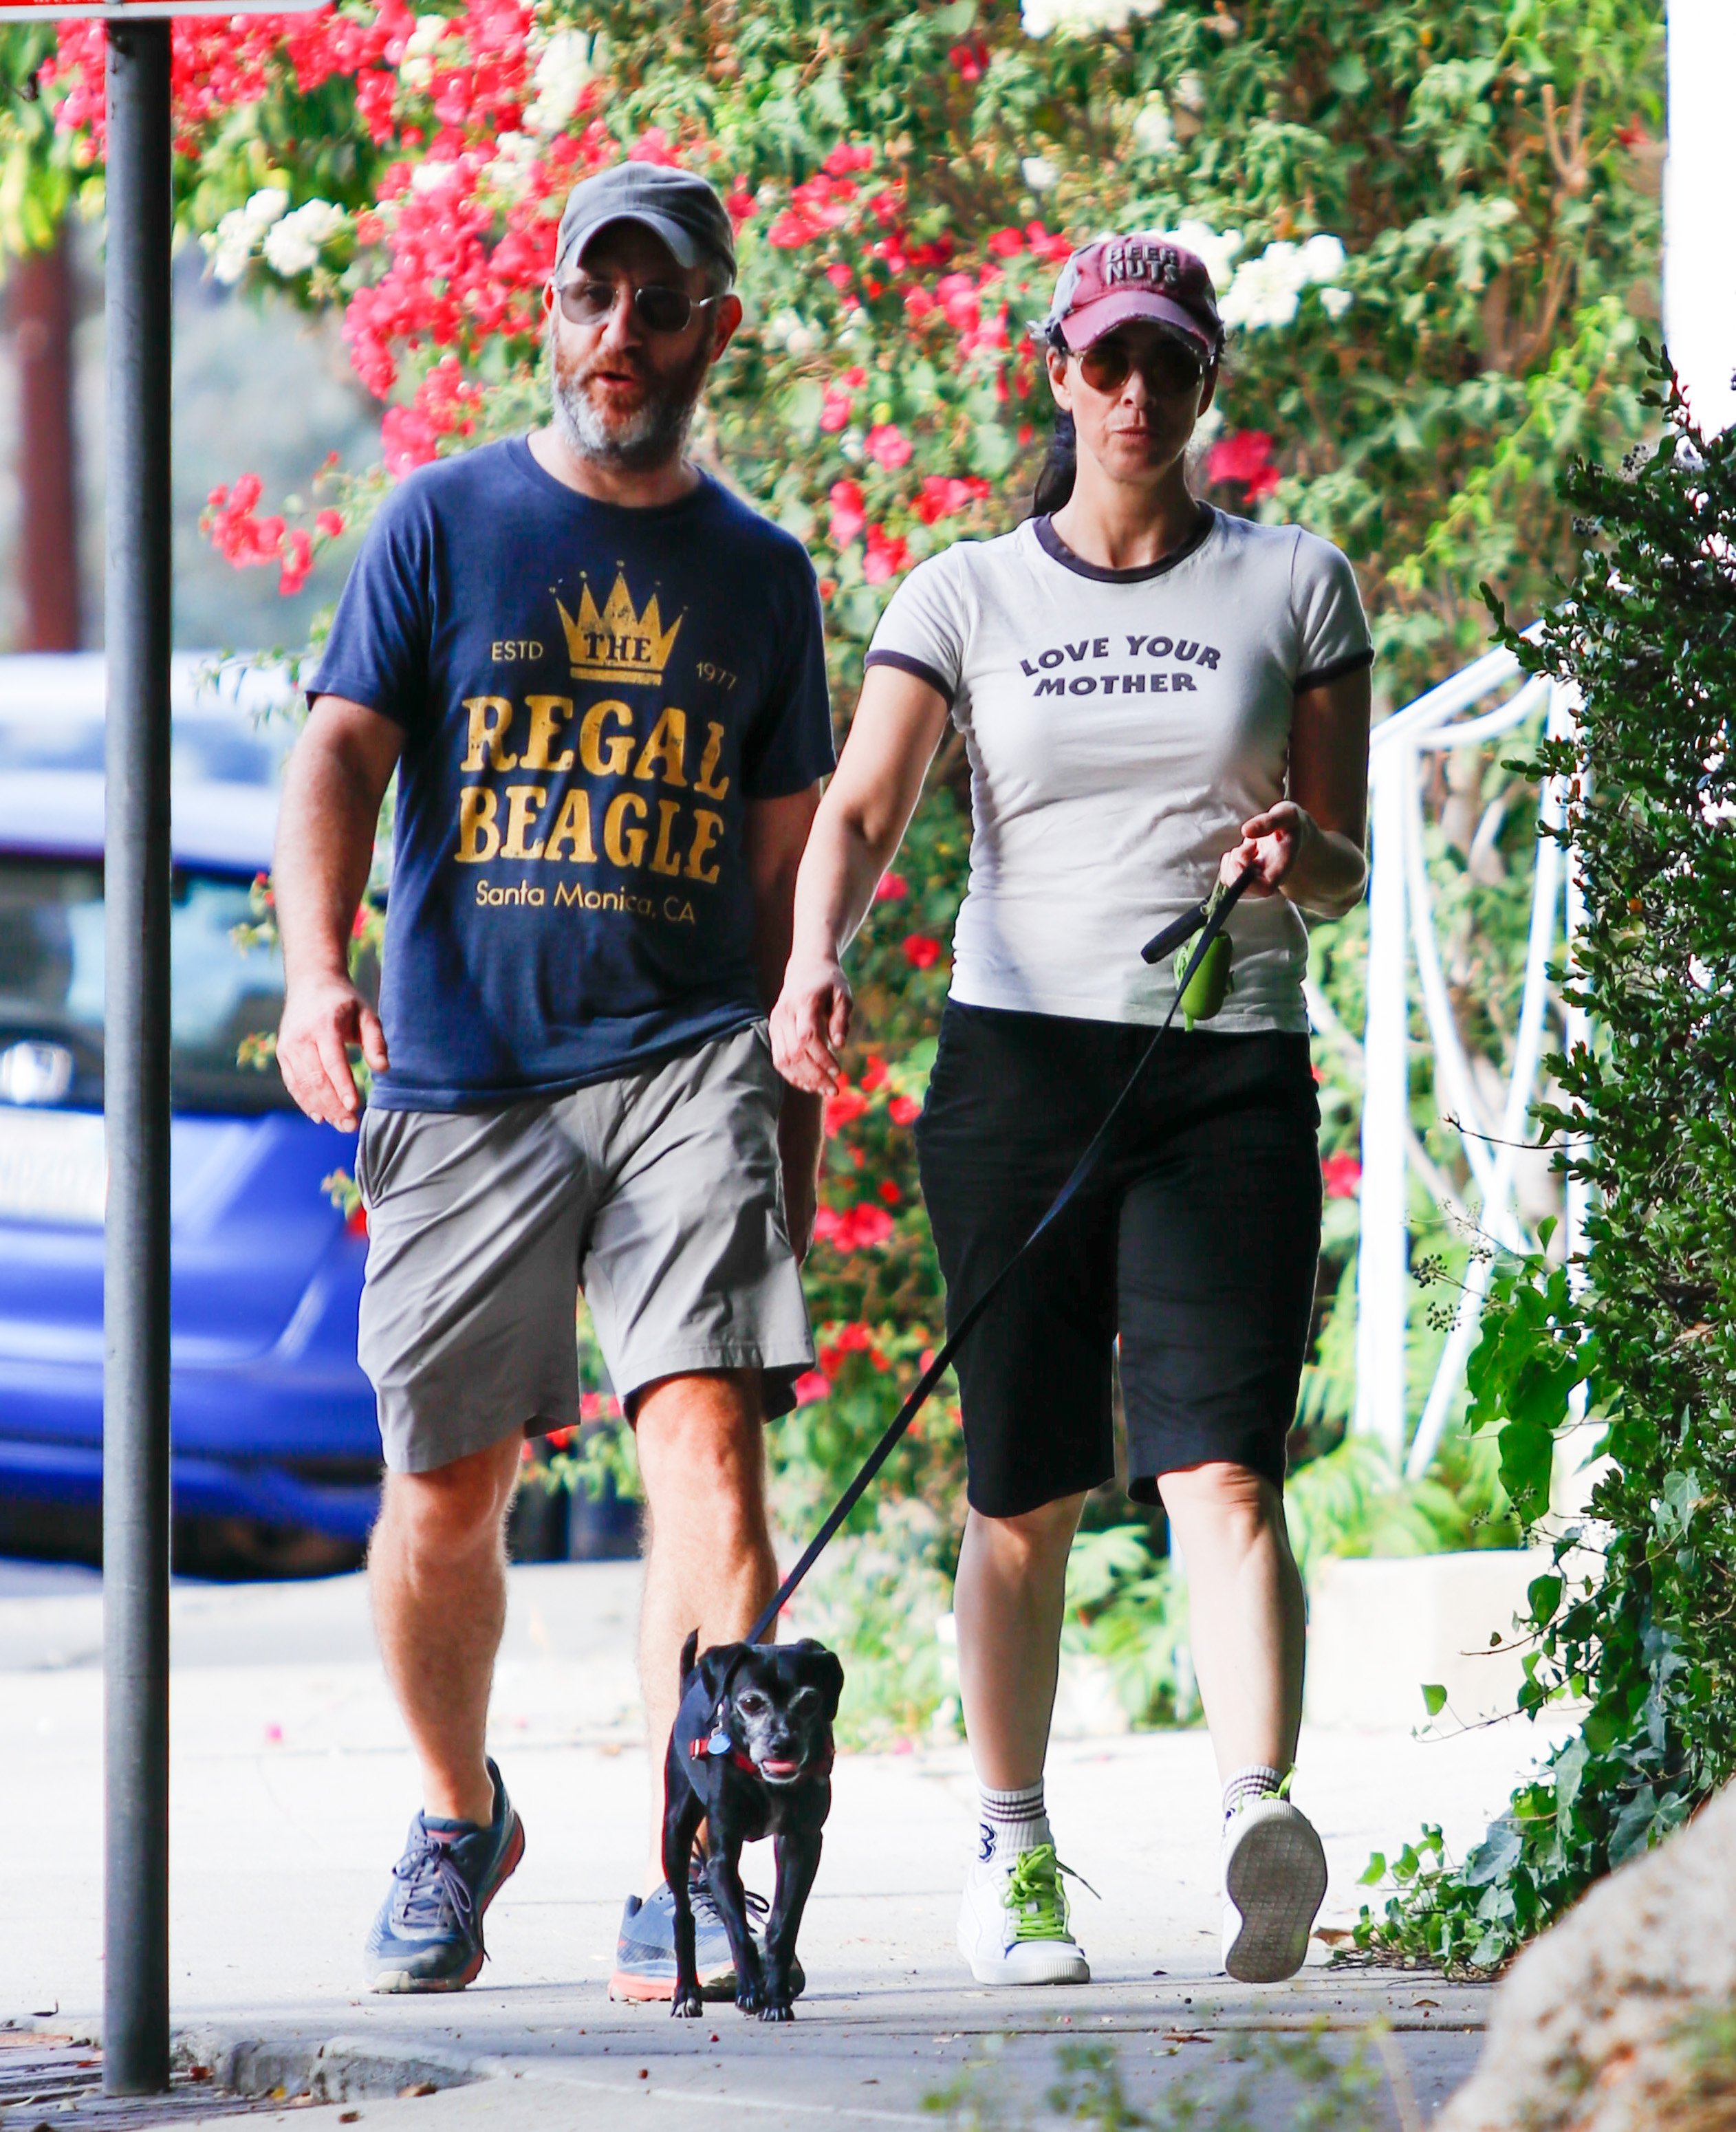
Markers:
point(1636, 1619)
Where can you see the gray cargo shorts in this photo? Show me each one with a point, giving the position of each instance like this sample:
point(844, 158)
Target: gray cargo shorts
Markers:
point(659, 1194)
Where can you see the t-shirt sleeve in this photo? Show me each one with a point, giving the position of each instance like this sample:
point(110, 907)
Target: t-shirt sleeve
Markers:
point(922, 630)
point(1331, 631)
point(377, 651)
point(789, 746)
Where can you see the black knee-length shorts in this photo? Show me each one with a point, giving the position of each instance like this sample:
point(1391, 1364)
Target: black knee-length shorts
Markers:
point(1196, 1242)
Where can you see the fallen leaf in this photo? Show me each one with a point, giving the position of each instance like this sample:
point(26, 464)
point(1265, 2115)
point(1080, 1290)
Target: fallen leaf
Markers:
point(415, 2087)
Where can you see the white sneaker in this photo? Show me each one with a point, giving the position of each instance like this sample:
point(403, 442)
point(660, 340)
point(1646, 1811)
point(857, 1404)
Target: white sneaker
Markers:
point(1013, 1924)
point(1274, 1883)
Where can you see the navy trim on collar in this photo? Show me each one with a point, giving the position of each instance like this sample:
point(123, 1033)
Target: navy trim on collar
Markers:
point(1058, 551)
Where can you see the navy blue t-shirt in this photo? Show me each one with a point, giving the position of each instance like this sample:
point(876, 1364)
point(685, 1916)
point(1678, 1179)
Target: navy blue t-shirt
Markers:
point(590, 696)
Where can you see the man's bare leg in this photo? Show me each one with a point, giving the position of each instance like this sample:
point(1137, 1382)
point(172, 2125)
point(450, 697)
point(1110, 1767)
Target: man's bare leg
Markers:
point(437, 1571)
point(708, 1562)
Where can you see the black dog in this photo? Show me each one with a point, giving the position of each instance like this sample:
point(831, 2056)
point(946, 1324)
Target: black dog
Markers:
point(751, 1756)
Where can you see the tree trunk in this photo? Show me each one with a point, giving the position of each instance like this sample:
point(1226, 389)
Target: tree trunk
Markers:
point(48, 543)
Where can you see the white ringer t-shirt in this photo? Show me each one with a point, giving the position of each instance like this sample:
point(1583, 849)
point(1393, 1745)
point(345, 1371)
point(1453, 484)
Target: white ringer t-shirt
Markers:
point(1121, 726)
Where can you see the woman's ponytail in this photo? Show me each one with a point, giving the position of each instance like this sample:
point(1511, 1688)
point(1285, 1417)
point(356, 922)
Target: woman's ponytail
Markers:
point(1055, 482)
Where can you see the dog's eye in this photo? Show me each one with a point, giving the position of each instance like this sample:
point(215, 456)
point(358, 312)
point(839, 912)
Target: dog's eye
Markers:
point(804, 1695)
point(751, 1705)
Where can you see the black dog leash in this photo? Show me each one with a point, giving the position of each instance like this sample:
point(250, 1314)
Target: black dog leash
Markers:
point(1206, 918)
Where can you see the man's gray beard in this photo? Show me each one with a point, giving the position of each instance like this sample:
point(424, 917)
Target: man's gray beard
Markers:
point(647, 439)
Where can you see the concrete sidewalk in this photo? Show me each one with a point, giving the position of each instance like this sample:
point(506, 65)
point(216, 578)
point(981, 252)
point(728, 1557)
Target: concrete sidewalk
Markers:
point(293, 1786)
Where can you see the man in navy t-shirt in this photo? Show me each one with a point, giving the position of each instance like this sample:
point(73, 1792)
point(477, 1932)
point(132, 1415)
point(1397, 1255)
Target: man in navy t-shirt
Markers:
point(599, 678)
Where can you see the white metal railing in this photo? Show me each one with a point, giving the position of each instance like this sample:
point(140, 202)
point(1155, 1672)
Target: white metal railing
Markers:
point(1402, 927)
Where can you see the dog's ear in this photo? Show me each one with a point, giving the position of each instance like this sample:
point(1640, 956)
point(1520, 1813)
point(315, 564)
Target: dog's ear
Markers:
point(688, 1651)
point(816, 1666)
point(717, 1668)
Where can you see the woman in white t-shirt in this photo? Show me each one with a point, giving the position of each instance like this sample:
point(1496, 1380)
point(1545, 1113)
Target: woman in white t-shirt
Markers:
point(1152, 694)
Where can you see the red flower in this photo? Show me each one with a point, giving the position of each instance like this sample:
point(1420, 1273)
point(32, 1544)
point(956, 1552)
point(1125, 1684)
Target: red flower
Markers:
point(298, 561)
point(1245, 457)
point(890, 888)
point(887, 555)
point(921, 952)
point(873, 1074)
point(904, 1109)
point(330, 523)
point(889, 1192)
point(843, 1106)
point(1341, 1175)
point(810, 1385)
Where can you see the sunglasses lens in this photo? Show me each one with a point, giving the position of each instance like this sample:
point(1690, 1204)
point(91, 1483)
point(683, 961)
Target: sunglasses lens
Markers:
point(588, 303)
point(1165, 367)
point(1104, 369)
point(663, 311)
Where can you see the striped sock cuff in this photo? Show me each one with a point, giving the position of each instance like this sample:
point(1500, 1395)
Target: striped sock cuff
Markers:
point(1258, 1780)
point(1004, 1806)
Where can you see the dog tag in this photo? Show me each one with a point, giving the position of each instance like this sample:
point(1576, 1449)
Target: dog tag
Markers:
point(720, 1742)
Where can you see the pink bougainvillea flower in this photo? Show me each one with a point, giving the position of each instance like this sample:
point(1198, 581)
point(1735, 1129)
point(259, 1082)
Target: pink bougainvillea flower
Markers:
point(886, 555)
point(888, 446)
point(849, 515)
point(810, 1385)
point(407, 440)
point(904, 1109)
point(921, 952)
point(1245, 457)
point(843, 1106)
point(330, 523)
point(1341, 1175)
point(890, 888)
point(860, 1228)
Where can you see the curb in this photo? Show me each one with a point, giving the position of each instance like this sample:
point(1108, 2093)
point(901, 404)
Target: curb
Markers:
point(340, 2069)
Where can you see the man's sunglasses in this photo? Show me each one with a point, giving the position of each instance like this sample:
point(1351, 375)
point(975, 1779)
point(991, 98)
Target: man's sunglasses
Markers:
point(1165, 366)
point(657, 310)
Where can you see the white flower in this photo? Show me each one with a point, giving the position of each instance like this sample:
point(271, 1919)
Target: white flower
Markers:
point(1191, 92)
point(790, 332)
point(295, 244)
point(1322, 256)
point(1081, 18)
point(1216, 250)
point(1153, 135)
point(229, 246)
point(1267, 291)
point(237, 237)
point(515, 156)
point(568, 61)
point(1335, 302)
point(1039, 173)
point(430, 176)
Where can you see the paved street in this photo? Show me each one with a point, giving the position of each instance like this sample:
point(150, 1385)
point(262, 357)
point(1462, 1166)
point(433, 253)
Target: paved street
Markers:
point(293, 1786)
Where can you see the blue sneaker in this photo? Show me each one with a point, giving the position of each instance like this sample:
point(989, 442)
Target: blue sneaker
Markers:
point(429, 1934)
point(645, 1952)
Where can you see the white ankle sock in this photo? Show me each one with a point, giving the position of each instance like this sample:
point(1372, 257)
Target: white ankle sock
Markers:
point(1258, 1780)
point(1009, 1821)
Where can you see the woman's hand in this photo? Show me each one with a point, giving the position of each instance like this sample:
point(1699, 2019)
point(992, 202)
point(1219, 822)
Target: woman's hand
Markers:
point(1274, 846)
point(810, 1025)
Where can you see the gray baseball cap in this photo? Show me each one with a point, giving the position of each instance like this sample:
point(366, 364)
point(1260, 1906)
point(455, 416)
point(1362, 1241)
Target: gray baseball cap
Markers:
point(674, 206)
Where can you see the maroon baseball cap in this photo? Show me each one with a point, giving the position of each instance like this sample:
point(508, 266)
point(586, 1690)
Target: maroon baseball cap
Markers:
point(1140, 276)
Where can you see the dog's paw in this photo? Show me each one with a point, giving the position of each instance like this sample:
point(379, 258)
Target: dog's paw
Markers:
point(687, 2005)
point(749, 1998)
point(776, 2010)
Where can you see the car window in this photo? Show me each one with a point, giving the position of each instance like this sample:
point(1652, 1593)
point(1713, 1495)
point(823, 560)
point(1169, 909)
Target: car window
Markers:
point(222, 990)
point(206, 750)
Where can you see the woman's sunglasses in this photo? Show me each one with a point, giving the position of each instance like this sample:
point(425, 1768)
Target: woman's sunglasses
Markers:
point(657, 310)
point(1165, 366)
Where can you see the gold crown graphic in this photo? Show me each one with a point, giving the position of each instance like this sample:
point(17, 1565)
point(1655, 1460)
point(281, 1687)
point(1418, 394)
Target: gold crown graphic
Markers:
point(617, 643)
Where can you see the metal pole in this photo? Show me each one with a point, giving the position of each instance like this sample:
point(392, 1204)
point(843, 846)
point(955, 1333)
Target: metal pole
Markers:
point(136, 1073)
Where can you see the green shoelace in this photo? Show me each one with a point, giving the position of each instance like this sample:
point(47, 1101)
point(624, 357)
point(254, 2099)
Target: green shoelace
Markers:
point(1035, 1895)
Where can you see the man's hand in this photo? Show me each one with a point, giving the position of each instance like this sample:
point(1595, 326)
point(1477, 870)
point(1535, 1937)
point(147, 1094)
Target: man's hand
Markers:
point(321, 1018)
point(810, 1025)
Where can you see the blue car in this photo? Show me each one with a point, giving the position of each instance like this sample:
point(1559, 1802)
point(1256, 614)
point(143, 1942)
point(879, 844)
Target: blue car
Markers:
point(276, 1451)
